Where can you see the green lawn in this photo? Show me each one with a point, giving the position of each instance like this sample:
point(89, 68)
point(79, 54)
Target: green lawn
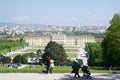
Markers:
point(68, 49)
point(71, 50)
point(41, 47)
point(71, 47)
point(72, 55)
point(57, 69)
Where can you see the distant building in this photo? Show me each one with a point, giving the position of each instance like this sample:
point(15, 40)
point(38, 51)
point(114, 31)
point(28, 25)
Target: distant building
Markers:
point(14, 39)
point(36, 40)
point(99, 39)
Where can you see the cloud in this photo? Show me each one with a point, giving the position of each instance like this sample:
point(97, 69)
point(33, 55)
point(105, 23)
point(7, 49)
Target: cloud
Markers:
point(74, 18)
point(21, 18)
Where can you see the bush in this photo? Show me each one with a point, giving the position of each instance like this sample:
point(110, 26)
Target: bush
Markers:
point(4, 59)
point(20, 59)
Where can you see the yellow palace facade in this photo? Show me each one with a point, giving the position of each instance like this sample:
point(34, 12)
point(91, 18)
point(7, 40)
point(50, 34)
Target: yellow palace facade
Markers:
point(36, 40)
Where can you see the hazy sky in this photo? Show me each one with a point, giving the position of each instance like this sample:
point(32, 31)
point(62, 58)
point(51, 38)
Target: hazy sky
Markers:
point(59, 12)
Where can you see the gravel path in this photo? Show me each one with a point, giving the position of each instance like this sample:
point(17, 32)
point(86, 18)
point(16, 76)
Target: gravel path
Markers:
point(55, 76)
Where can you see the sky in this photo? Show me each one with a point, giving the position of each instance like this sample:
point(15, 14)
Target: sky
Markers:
point(59, 12)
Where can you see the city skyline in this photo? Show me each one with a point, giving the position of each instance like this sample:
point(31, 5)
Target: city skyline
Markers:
point(59, 12)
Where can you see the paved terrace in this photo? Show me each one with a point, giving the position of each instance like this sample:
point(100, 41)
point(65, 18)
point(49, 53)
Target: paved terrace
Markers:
point(55, 76)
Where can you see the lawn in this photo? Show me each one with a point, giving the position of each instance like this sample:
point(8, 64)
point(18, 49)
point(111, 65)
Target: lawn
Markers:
point(70, 50)
point(57, 69)
point(72, 55)
point(75, 47)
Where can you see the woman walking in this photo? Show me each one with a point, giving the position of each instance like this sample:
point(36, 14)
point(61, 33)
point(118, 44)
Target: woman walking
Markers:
point(51, 65)
point(76, 66)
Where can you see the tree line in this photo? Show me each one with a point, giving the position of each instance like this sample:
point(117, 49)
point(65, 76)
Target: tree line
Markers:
point(107, 53)
point(77, 33)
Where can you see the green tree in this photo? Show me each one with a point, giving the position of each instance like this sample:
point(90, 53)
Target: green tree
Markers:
point(111, 43)
point(1, 58)
point(39, 54)
point(56, 52)
point(20, 59)
point(4, 59)
point(95, 54)
point(17, 59)
point(26, 55)
point(32, 55)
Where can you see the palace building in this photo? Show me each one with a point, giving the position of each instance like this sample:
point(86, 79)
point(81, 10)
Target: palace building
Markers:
point(36, 40)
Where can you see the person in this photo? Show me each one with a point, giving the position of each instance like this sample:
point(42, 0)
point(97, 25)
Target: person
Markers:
point(47, 64)
point(51, 65)
point(86, 72)
point(76, 66)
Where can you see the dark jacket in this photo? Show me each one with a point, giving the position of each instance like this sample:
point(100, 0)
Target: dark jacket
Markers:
point(76, 65)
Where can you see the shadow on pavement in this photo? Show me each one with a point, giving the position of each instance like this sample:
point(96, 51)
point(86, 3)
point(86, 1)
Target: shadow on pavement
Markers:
point(68, 77)
point(94, 77)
